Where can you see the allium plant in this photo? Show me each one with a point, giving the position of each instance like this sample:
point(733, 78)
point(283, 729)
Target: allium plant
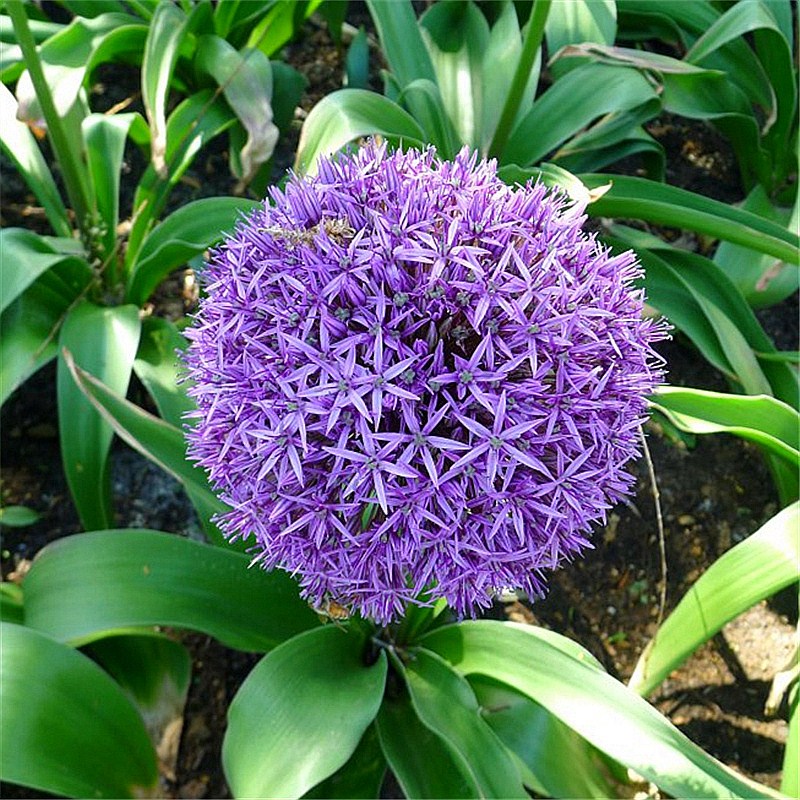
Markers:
point(414, 381)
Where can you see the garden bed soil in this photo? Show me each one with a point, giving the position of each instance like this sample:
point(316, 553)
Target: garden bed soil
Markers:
point(712, 495)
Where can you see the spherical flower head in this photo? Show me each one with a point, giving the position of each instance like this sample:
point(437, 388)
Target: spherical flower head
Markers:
point(414, 381)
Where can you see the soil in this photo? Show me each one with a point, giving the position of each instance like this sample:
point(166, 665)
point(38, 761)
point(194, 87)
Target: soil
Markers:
point(713, 495)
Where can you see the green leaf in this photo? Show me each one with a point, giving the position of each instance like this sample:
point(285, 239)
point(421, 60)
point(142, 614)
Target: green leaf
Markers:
point(570, 104)
point(29, 326)
point(167, 29)
point(361, 777)
point(603, 711)
point(753, 570)
point(424, 101)
point(762, 280)
point(26, 256)
point(182, 235)
point(162, 443)
point(424, 765)
point(194, 122)
point(11, 603)
point(543, 744)
point(445, 703)
point(18, 516)
point(246, 81)
point(764, 420)
point(137, 578)
point(300, 714)
point(637, 198)
point(105, 146)
point(356, 64)
point(457, 36)
point(343, 116)
point(401, 40)
point(19, 144)
point(76, 734)
point(157, 367)
point(577, 22)
point(102, 341)
point(154, 673)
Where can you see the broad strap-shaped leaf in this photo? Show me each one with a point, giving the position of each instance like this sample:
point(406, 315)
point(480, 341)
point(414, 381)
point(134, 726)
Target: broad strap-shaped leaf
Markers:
point(401, 40)
point(765, 420)
point(762, 280)
point(343, 116)
point(457, 36)
point(76, 734)
point(638, 198)
point(157, 367)
point(136, 578)
point(11, 603)
point(246, 82)
point(29, 326)
point(603, 711)
point(543, 744)
point(105, 137)
point(361, 777)
point(445, 703)
point(578, 22)
point(424, 101)
point(570, 104)
point(20, 146)
point(162, 443)
point(167, 30)
point(103, 341)
point(26, 256)
point(182, 235)
point(749, 572)
point(423, 763)
point(300, 714)
point(154, 673)
point(192, 124)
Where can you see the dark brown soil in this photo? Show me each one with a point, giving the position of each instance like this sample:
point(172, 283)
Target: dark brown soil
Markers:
point(713, 496)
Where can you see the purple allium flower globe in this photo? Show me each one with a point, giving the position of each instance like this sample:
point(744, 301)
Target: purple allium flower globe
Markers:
point(416, 381)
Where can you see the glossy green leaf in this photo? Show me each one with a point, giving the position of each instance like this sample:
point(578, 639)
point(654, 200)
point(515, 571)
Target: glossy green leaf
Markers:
point(762, 280)
point(182, 235)
point(18, 516)
point(577, 22)
point(543, 744)
point(167, 29)
point(361, 777)
point(192, 124)
point(278, 25)
point(288, 86)
point(162, 443)
point(102, 341)
point(401, 40)
point(105, 137)
point(570, 104)
point(603, 711)
point(637, 198)
point(76, 734)
point(505, 55)
point(29, 326)
point(246, 82)
point(343, 116)
point(356, 63)
point(153, 671)
point(20, 146)
point(457, 36)
point(765, 420)
point(445, 703)
point(11, 603)
point(158, 368)
point(424, 100)
point(135, 578)
point(761, 565)
point(424, 765)
point(300, 714)
point(26, 256)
